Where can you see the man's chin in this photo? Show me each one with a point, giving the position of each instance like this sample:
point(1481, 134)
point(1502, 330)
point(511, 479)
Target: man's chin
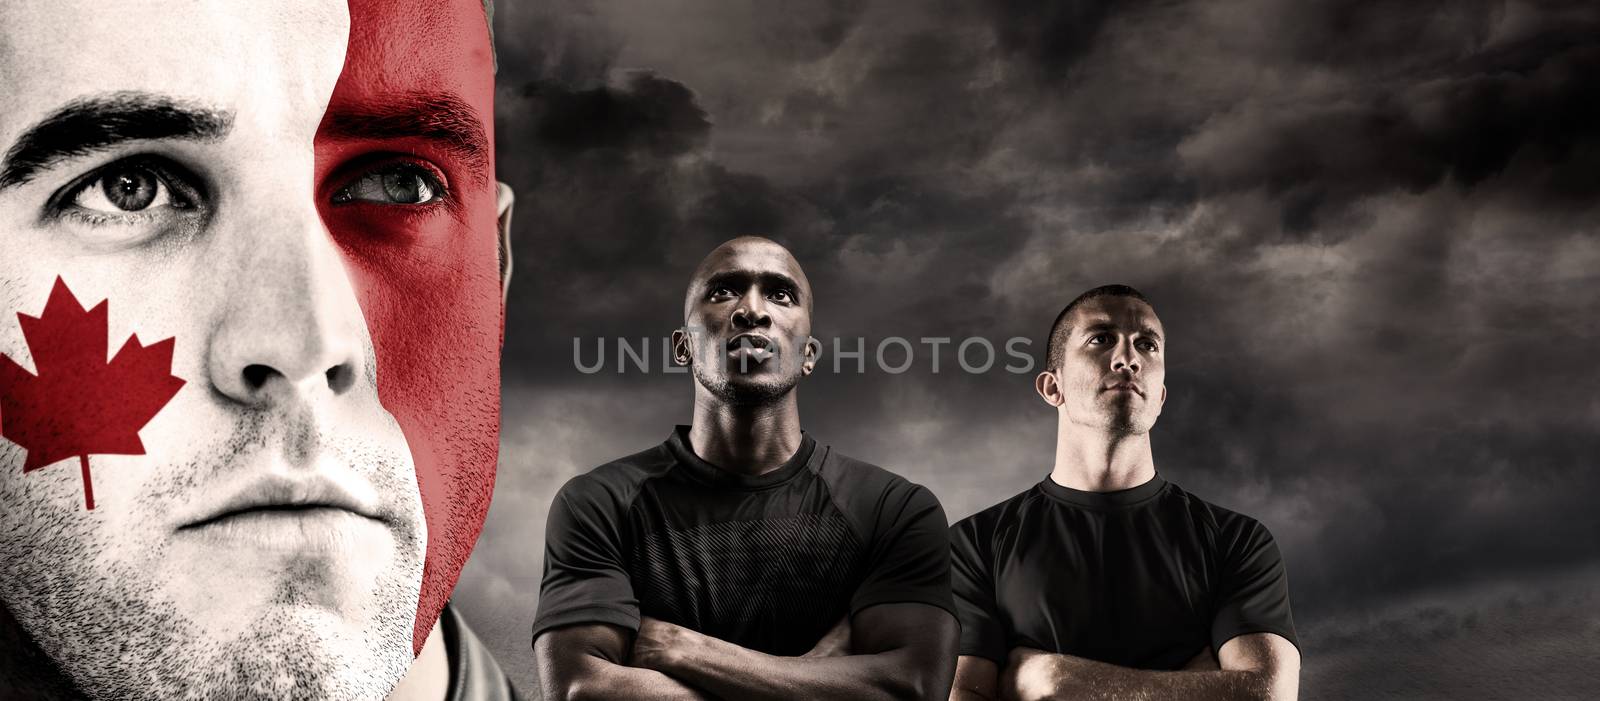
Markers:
point(298, 650)
point(746, 390)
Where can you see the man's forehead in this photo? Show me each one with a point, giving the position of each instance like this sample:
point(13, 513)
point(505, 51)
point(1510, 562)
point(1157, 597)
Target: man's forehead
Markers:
point(277, 59)
point(1117, 311)
point(419, 46)
point(753, 255)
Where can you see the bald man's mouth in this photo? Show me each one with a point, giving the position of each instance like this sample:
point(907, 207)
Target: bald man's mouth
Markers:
point(750, 347)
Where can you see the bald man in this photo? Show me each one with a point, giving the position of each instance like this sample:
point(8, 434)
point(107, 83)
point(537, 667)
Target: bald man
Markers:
point(740, 559)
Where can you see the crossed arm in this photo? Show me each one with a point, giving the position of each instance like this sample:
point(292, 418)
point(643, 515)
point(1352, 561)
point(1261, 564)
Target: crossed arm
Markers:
point(1254, 667)
point(887, 651)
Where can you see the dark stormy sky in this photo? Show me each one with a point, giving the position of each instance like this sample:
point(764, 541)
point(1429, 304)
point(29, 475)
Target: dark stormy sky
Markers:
point(1371, 229)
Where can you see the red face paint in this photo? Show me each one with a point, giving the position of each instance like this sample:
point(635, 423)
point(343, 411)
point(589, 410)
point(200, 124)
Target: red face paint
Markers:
point(416, 99)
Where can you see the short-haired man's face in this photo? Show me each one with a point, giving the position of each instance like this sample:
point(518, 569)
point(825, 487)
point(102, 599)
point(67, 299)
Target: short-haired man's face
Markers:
point(1113, 371)
point(216, 188)
point(748, 317)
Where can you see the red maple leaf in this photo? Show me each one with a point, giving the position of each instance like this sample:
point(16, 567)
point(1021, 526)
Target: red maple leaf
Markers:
point(78, 403)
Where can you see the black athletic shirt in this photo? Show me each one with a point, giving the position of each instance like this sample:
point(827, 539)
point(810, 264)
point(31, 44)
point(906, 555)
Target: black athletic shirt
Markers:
point(1143, 577)
point(769, 562)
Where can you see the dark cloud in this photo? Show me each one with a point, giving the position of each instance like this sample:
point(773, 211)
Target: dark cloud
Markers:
point(1535, 123)
point(647, 114)
point(1052, 35)
point(1369, 228)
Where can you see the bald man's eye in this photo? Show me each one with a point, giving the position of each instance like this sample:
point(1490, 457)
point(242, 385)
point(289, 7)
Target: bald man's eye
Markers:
point(399, 183)
point(1099, 338)
point(782, 297)
point(720, 292)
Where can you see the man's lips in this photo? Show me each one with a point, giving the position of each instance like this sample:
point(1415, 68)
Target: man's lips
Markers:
point(1124, 387)
point(750, 346)
point(749, 340)
point(300, 515)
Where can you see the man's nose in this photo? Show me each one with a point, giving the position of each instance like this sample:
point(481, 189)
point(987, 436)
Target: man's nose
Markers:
point(291, 328)
point(752, 311)
point(1124, 358)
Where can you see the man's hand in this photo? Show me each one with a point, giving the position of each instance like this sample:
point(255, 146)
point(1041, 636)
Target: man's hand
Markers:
point(1029, 674)
point(1250, 667)
point(660, 646)
point(834, 643)
point(900, 651)
point(585, 662)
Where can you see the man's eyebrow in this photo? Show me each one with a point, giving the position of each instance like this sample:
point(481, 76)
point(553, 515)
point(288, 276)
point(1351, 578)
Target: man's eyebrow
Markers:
point(767, 278)
point(89, 124)
point(1106, 325)
point(443, 118)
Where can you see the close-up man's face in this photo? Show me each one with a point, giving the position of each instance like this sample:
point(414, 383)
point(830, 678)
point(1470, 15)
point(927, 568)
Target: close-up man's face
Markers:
point(1113, 370)
point(316, 233)
point(748, 321)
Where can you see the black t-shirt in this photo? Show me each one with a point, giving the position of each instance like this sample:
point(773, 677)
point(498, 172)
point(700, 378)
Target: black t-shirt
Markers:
point(769, 562)
point(1143, 577)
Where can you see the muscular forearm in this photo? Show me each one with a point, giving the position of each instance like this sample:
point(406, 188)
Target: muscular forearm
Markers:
point(729, 671)
point(1068, 677)
point(604, 680)
point(586, 662)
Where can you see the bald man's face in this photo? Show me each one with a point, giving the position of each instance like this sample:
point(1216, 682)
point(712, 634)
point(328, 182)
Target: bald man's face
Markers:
point(747, 319)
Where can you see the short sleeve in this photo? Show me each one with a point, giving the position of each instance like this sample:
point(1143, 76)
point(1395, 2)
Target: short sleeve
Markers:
point(585, 576)
point(1254, 596)
point(909, 554)
point(972, 583)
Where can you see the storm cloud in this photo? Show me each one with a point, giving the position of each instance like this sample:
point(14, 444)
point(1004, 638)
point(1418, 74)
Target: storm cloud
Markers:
point(1369, 227)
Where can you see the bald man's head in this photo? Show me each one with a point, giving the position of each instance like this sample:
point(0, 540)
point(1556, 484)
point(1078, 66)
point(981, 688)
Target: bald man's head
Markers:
point(744, 252)
point(747, 322)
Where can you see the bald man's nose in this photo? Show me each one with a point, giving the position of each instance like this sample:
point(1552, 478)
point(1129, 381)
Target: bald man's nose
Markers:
point(292, 328)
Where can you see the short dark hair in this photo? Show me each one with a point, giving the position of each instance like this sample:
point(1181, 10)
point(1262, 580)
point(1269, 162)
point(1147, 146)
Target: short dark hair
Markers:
point(1057, 343)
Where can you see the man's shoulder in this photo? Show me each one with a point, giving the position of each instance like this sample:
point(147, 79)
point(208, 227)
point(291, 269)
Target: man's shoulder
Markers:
point(1227, 524)
point(996, 517)
point(858, 479)
point(619, 481)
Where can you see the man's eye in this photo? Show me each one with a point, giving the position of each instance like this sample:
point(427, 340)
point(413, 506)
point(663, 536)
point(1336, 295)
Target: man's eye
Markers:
point(397, 184)
point(1100, 338)
point(782, 296)
point(722, 291)
point(1147, 346)
point(126, 188)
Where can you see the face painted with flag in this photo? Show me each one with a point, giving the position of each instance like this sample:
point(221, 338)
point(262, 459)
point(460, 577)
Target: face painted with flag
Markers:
point(295, 202)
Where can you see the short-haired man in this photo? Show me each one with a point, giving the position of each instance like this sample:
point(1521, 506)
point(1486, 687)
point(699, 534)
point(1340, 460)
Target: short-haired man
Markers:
point(301, 196)
point(1105, 580)
point(740, 559)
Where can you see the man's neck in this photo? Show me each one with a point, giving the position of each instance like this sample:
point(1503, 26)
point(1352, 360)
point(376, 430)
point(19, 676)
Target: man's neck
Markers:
point(748, 439)
point(429, 676)
point(1092, 459)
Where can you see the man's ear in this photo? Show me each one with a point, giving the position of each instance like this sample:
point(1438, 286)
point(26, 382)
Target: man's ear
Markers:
point(812, 352)
point(503, 199)
point(1049, 387)
point(682, 354)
